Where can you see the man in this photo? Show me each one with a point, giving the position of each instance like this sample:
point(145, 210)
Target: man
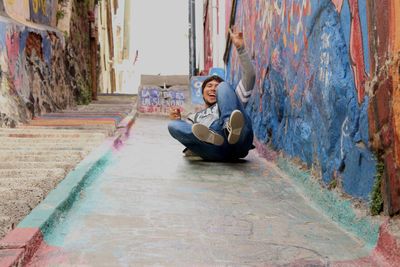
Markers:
point(222, 131)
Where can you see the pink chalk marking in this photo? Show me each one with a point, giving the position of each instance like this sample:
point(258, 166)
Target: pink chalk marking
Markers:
point(26, 239)
point(22, 238)
point(49, 256)
point(11, 257)
point(387, 245)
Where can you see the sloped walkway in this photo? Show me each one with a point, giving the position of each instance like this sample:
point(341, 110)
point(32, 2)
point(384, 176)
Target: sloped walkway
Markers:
point(150, 206)
point(34, 158)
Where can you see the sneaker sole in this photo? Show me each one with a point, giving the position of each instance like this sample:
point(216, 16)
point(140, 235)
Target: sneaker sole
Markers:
point(236, 121)
point(204, 134)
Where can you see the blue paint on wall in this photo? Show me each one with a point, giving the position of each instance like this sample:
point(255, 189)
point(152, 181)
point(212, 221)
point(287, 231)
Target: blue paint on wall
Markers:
point(307, 105)
point(41, 12)
point(362, 5)
point(3, 32)
point(22, 40)
point(46, 47)
point(195, 88)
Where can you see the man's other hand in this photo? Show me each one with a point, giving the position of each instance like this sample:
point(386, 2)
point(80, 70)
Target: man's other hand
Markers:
point(175, 114)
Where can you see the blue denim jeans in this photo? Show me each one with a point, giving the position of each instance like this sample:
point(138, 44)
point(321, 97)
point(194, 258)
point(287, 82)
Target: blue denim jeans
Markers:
point(227, 102)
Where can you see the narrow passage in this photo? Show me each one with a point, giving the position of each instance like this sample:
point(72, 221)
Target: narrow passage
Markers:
point(152, 206)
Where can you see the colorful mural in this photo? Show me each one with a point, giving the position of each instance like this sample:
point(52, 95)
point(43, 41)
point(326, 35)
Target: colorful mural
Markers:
point(311, 61)
point(31, 63)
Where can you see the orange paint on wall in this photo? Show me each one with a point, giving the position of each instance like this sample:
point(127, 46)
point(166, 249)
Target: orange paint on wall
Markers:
point(394, 38)
point(338, 4)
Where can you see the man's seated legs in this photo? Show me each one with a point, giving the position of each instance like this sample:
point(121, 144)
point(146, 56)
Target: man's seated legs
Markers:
point(182, 131)
point(232, 114)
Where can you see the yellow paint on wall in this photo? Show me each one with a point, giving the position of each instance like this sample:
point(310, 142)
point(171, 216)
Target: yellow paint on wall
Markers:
point(18, 9)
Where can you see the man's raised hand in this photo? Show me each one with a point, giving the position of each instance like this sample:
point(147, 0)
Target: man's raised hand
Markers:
point(236, 37)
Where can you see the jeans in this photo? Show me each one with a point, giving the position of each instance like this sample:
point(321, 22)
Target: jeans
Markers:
point(227, 102)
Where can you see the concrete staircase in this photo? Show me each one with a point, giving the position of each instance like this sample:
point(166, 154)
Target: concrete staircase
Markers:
point(35, 157)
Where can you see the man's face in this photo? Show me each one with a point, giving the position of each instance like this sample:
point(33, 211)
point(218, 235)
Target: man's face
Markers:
point(210, 93)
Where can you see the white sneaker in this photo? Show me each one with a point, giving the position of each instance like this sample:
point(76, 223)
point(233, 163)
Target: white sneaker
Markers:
point(206, 135)
point(235, 126)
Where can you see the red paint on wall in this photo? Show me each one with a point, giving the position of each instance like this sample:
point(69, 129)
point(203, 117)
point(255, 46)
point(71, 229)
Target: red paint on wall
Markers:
point(12, 44)
point(338, 4)
point(357, 51)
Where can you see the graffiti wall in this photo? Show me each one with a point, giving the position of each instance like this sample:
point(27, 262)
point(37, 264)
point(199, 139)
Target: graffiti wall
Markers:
point(30, 81)
point(195, 89)
point(314, 83)
point(157, 100)
point(40, 71)
point(38, 11)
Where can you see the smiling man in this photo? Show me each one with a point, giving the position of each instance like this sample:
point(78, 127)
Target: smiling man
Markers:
point(222, 131)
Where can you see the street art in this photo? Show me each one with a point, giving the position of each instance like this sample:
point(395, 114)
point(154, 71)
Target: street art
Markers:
point(311, 63)
point(26, 71)
point(155, 99)
point(39, 11)
point(195, 88)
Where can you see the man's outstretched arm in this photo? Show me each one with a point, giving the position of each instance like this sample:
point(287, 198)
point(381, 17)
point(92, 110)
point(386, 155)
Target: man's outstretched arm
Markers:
point(246, 84)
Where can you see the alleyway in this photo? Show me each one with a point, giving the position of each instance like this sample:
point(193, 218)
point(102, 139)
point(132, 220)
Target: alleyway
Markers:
point(152, 206)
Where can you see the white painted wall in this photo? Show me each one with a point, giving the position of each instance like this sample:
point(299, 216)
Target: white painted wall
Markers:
point(160, 34)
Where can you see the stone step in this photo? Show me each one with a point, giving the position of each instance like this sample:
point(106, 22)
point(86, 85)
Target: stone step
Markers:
point(30, 184)
point(67, 165)
point(18, 192)
point(14, 210)
point(108, 130)
point(46, 143)
point(34, 136)
point(40, 152)
point(43, 157)
point(25, 129)
point(38, 129)
point(48, 148)
point(34, 174)
point(93, 139)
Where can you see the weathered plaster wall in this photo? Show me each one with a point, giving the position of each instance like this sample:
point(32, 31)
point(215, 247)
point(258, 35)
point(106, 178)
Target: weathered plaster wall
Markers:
point(315, 73)
point(40, 71)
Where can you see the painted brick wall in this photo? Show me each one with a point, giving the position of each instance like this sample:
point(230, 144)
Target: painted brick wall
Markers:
point(317, 85)
point(384, 83)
